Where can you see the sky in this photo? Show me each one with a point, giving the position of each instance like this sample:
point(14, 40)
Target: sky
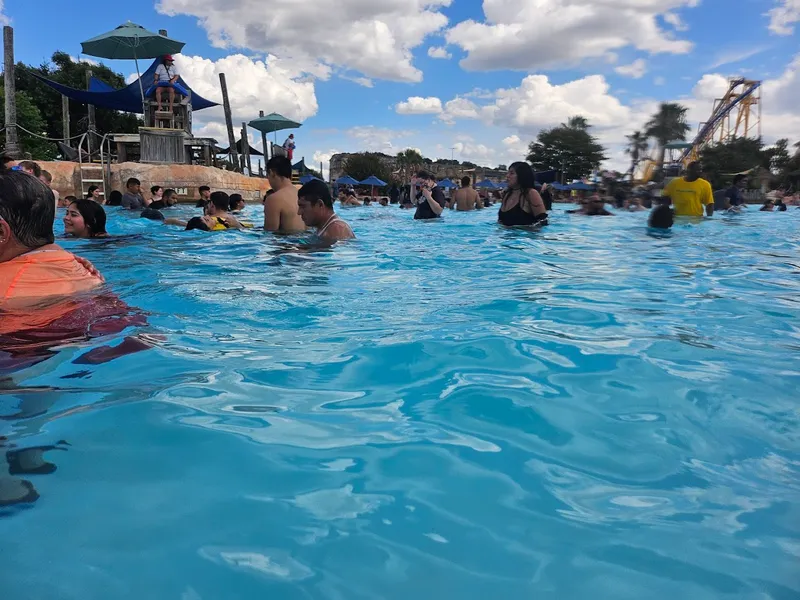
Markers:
point(465, 79)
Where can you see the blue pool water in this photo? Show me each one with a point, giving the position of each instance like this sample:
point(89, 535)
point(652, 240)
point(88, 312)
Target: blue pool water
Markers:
point(434, 411)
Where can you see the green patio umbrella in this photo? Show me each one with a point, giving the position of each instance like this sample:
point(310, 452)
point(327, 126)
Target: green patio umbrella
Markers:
point(273, 122)
point(131, 41)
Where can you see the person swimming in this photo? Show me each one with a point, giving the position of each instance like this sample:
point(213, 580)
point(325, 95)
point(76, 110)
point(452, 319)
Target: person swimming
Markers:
point(315, 207)
point(32, 266)
point(522, 204)
point(85, 219)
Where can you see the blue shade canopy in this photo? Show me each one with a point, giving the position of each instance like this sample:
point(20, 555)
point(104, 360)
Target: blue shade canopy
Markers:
point(346, 180)
point(559, 187)
point(306, 178)
point(486, 184)
point(580, 186)
point(372, 180)
point(127, 99)
point(446, 184)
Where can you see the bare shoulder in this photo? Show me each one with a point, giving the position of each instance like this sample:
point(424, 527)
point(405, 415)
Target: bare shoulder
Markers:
point(339, 230)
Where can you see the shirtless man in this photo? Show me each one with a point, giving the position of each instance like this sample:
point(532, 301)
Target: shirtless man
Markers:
point(315, 207)
point(280, 208)
point(466, 198)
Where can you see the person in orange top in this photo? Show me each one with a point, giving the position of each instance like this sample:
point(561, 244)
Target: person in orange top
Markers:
point(34, 271)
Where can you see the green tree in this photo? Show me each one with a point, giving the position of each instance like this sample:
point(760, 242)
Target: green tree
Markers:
point(667, 125)
point(362, 165)
point(568, 148)
point(721, 161)
point(408, 161)
point(67, 72)
point(29, 117)
point(502, 167)
point(636, 148)
point(778, 157)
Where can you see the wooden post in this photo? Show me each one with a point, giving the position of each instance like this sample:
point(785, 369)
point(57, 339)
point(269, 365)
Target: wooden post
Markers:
point(226, 106)
point(246, 148)
point(264, 149)
point(12, 139)
point(91, 117)
point(65, 117)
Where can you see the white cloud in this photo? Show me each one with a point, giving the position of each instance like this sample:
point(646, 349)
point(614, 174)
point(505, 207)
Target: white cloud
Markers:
point(636, 69)
point(362, 81)
point(252, 86)
point(659, 80)
point(3, 18)
point(675, 20)
point(374, 38)
point(735, 55)
point(323, 157)
point(459, 108)
point(377, 139)
point(416, 105)
point(477, 153)
point(439, 52)
point(783, 16)
point(519, 36)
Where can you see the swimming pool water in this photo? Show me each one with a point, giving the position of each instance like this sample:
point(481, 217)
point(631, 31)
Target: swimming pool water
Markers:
point(436, 410)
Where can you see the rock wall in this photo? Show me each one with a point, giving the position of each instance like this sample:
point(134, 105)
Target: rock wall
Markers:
point(185, 179)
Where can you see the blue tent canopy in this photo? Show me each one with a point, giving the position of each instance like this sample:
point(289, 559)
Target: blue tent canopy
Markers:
point(486, 184)
point(559, 187)
point(446, 184)
point(584, 187)
point(306, 178)
point(346, 180)
point(372, 180)
point(127, 99)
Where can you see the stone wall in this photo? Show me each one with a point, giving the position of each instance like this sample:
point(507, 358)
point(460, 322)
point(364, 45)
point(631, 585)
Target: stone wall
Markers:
point(185, 179)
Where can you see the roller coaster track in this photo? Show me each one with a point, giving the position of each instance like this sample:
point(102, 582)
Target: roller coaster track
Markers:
point(742, 94)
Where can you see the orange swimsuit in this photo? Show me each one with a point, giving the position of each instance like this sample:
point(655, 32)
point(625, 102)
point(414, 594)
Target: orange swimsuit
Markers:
point(33, 286)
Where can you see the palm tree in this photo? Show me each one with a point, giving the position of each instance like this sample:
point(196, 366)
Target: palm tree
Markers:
point(637, 147)
point(667, 125)
point(577, 122)
point(408, 161)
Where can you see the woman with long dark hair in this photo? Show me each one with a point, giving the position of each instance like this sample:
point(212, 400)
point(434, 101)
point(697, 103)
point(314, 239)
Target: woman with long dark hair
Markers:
point(522, 204)
point(94, 194)
point(85, 219)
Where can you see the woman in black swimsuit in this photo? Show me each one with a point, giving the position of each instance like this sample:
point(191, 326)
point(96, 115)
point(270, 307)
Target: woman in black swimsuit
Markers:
point(522, 204)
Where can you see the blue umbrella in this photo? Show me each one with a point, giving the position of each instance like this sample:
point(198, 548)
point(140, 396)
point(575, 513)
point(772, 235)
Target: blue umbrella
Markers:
point(374, 181)
point(306, 178)
point(584, 187)
point(486, 184)
point(446, 184)
point(346, 180)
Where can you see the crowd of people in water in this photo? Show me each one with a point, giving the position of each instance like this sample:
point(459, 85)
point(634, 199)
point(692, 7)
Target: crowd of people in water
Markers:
point(29, 255)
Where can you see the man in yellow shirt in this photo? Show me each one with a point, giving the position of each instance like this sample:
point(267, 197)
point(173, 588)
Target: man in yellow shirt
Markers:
point(690, 193)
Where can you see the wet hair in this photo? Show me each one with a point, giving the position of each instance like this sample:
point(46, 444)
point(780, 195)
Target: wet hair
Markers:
point(316, 191)
point(268, 193)
point(169, 193)
point(200, 203)
point(781, 206)
point(281, 166)
point(94, 217)
point(425, 175)
point(132, 181)
point(91, 190)
point(153, 214)
point(526, 178)
point(738, 178)
point(197, 223)
point(29, 208)
point(465, 181)
point(70, 199)
point(114, 198)
point(5, 159)
point(661, 217)
point(154, 189)
point(234, 201)
point(221, 201)
point(29, 165)
point(203, 188)
point(48, 177)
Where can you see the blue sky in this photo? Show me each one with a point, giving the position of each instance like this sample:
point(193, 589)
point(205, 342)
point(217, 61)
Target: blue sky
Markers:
point(360, 75)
